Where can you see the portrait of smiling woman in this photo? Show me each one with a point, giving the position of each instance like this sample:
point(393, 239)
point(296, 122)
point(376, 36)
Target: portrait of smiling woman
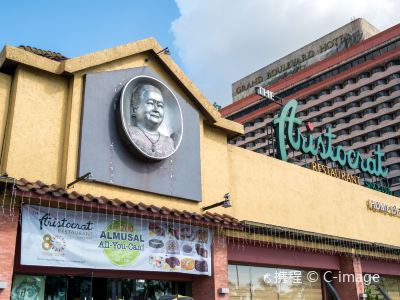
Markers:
point(147, 113)
point(151, 117)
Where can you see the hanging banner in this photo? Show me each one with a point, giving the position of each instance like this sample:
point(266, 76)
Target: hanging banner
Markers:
point(76, 239)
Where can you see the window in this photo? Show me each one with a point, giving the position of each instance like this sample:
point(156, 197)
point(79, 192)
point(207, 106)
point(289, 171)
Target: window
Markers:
point(363, 75)
point(338, 99)
point(356, 127)
point(349, 81)
point(379, 82)
point(382, 106)
point(395, 88)
point(325, 104)
point(381, 94)
point(327, 115)
point(355, 116)
point(353, 104)
point(342, 132)
point(394, 76)
point(388, 129)
point(395, 101)
point(324, 92)
point(251, 282)
point(313, 108)
point(393, 63)
point(389, 142)
point(372, 134)
point(351, 94)
point(336, 87)
point(386, 117)
point(357, 139)
point(365, 88)
point(377, 70)
point(368, 111)
point(366, 100)
point(340, 110)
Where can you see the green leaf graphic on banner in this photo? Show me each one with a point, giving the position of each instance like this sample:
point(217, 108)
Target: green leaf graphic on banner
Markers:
point(122, 243)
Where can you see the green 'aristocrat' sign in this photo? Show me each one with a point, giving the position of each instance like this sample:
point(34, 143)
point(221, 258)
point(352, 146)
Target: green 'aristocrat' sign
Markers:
point(287, 128)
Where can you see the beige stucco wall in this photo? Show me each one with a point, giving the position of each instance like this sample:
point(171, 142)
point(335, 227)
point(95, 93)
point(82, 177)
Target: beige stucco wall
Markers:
point(42, 143)
point(271, 191)
point(5, 89)
point(34, 142)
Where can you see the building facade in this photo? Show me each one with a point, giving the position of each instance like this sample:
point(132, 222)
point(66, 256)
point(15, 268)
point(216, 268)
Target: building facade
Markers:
point(117, 182)
point(355, 91)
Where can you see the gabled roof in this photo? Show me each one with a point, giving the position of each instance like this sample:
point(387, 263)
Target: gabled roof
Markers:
point(12, 56)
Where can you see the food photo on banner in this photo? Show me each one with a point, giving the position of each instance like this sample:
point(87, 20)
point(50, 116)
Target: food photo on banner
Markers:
point(61, 238)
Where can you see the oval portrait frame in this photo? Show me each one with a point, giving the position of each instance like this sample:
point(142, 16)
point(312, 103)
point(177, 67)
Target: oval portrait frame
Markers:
point(171, 126)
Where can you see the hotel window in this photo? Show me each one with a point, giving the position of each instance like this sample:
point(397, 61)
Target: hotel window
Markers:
point(393, 154)
point(350, 94)
point(323, 92)
point(382, 106)
point(394, 88)
point(395, 101)
point(349, 81)
point(389, 142)
point(338, 99)
point(386, 117)
point(342, 132)
point(381, 94)
point(394, 167)
point(325, 104)
point(355, 116)
point(367, 100)
point(251, 283)
point(357, 139)
point(313, 108)
point(301, 102)
point(370, 123)
point(315, 119)
point(363, 75)
point(379, 82)
point(368, 111)
point(248, 124)
point(394, 76)
point(365, 88)
point(340, 110)
point(312, 97)
point(353, 104)
point(346, 143)
point(393, 63)
point(327, 115)
point(388, 129)
point(377, 70)
point(340, 121)
point(336, 87)
point(372, 135)
point(356, 127)
point(394, 181)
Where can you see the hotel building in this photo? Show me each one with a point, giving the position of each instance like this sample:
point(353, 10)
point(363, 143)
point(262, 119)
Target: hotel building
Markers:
point(351, 83)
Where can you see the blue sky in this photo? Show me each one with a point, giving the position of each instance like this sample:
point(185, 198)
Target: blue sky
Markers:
point(75, 28)
point(215, 42)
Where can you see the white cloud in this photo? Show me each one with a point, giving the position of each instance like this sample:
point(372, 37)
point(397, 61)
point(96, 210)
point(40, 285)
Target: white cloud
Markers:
point(221, 41)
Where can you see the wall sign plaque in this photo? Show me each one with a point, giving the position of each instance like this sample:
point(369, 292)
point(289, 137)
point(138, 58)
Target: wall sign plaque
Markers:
point(151, 118)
